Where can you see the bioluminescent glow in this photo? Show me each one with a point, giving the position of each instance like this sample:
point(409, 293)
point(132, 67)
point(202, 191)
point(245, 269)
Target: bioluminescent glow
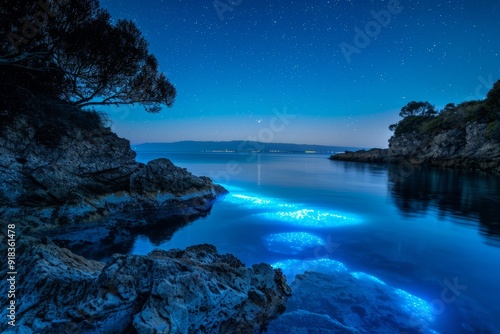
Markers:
point(257, 202)
point(311, 218)
point(291, 243)
point(290, 213)
point(360, 275)
point(294, 267)
point(252, 199)
point(418, 308)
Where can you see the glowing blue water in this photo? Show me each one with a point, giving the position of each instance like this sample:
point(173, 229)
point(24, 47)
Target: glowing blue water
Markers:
point(292, 242)
point(412, 231)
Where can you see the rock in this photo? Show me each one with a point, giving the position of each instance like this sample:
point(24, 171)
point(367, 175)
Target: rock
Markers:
point(467, 148)
point(196, 290)
point(373, 155)
point(88, 174)
point(340, 302)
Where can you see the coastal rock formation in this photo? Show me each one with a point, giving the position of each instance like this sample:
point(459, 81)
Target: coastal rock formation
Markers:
point(196, 290)
point(350, 304)
point(373, 155)
point(81, 174)
point(468, 148)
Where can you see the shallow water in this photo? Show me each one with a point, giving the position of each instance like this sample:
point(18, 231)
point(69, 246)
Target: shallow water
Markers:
point(419, 230)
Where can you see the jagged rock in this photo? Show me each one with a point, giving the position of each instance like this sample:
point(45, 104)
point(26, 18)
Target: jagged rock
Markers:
point(196, 290)
point(84, 162)
point(161, 175)
point(467, 148)
point(350, 305)
point(89, 174)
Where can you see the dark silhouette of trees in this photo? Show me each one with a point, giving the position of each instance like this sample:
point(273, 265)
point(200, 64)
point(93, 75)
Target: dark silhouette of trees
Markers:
point(414, 115)
point(71, 50)
point(493, 97)
point(449, 107)
point(414, 108)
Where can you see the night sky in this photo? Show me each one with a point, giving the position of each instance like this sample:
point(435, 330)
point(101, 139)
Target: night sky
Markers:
point(236, 67)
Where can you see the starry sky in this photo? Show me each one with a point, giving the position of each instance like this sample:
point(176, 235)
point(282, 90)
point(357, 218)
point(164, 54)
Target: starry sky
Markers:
point(326, 72)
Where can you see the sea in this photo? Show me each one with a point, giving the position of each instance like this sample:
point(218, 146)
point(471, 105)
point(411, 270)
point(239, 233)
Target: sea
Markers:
point(421, 230)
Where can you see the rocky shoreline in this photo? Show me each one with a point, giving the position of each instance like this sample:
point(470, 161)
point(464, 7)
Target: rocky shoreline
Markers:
point(89, 175)
point(175, 291)
point(468, 149)
point(82, 186)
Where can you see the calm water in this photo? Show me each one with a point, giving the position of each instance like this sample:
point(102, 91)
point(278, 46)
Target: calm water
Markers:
point(414, 229)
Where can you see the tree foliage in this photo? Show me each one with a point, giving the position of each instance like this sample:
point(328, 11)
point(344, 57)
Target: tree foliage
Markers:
point(450, 107)
point(71, 50)
point(414, 108)
point(416, 116)
point(493, 97)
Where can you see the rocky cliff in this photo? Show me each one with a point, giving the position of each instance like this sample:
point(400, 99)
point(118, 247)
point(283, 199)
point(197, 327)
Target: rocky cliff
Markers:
point(72, 172)
point(468, 148)
point(196, 290)
point(62, 171)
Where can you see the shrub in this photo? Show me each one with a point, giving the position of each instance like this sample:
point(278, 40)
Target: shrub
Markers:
point(52, 119)
point(433, 126)
point(410, 124)
point(493, 96)
point(493, 130)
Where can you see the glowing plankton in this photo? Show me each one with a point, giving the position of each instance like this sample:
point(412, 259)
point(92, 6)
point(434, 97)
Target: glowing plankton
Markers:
point(291, 243)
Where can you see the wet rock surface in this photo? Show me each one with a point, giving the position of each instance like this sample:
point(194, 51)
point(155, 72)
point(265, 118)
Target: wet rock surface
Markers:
point(349, 305)
point(196, 290)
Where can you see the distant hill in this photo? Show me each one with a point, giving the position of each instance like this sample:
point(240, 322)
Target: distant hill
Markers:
point(237, 146)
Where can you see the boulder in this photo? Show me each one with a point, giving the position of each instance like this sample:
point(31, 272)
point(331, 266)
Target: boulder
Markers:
point(89, 173)
point(196, 290)
point(350, 303)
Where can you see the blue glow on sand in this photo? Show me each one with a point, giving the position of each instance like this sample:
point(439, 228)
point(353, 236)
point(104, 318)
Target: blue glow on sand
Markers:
point(291, 243)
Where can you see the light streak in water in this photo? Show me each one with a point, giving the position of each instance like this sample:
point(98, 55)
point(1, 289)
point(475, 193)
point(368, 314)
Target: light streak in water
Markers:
point(292, 242)
point(311, 218)
point(360, 275)
point(292, 214)
point(293, 267)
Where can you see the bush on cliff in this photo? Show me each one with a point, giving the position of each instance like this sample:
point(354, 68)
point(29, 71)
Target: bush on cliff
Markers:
point(419, 116)
point(52, 119)
point(414, 115)
point(493, 130)
point(493, 97)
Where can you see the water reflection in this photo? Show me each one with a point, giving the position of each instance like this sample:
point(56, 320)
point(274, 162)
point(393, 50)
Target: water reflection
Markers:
point(117, 234)
point(416, 190)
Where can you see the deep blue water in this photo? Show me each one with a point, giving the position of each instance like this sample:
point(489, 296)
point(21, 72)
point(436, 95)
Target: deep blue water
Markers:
point(412, 228)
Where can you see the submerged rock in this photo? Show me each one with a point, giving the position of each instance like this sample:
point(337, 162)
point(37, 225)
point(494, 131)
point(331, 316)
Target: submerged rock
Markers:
point(196, 290)
point(347, 303)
